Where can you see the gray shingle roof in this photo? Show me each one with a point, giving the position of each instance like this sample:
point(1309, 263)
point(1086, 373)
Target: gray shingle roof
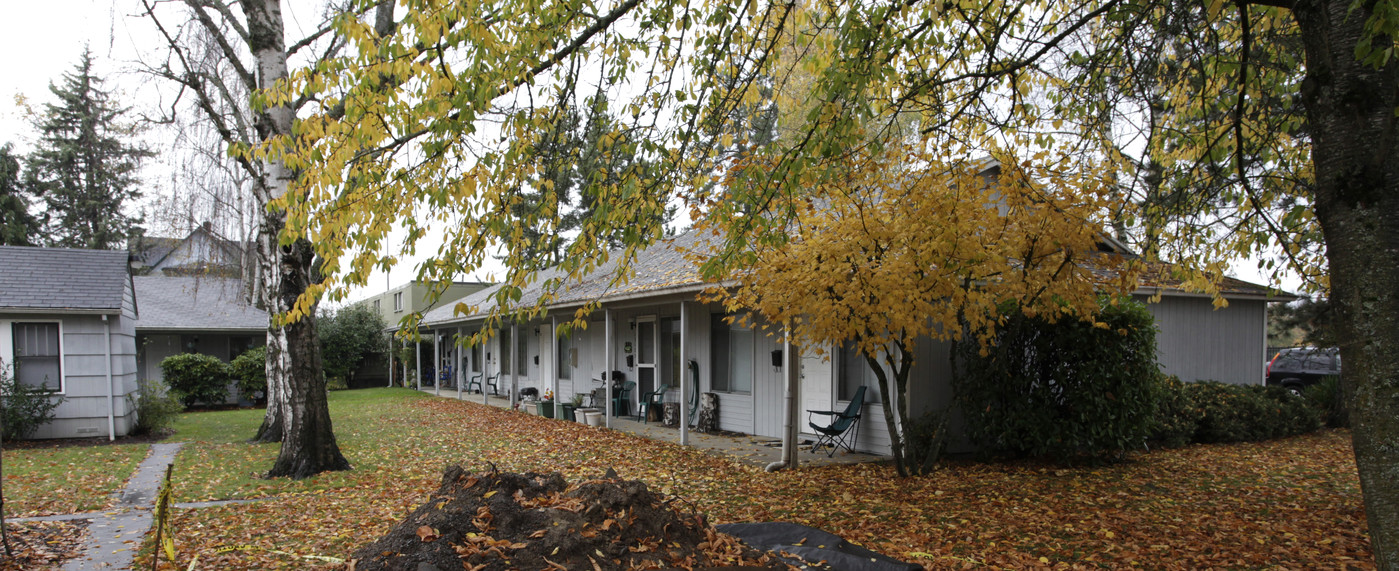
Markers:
point(661, 268)
point(62, 279)
point(195, 303)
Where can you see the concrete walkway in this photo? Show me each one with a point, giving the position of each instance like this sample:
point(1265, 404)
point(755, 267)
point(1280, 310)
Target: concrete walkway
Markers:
point(749, 449)
point(115, 535)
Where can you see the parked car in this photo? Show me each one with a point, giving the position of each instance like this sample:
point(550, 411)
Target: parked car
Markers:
point(1302, 367)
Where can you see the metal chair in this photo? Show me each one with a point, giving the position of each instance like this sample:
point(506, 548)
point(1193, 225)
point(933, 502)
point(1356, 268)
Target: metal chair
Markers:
point(840, 432)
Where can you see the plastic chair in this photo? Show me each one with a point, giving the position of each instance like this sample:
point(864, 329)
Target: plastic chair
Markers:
point(474, 382)
point(694, 392)
point(840, 432)
point(493, 382)
point(649, 400)
point(621, 400)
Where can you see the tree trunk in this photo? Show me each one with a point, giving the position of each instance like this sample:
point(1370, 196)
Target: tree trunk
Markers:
point(296, 385)
point(1350, 107)
point(891, 420)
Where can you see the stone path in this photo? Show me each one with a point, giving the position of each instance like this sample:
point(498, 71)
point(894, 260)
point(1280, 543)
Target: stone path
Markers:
point(115, 535)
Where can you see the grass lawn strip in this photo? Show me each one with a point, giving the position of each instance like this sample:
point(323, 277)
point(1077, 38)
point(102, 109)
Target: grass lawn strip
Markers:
point(1293, 503)
point(67, 479)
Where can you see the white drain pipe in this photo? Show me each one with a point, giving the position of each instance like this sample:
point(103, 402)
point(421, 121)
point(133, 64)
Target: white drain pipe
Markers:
point(111, 390)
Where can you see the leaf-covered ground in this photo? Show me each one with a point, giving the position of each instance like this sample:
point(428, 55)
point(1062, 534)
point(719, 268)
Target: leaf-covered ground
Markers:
point(1291, 504)
point(46, 480)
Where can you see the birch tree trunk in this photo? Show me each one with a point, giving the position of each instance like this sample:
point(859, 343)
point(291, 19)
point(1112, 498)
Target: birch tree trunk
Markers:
point(1350, 108)
point(296, 385)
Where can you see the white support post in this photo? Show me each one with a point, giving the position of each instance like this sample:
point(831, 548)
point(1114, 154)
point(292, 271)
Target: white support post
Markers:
point(457, 370)
point(436, 363)
point(485, 366)
point(404, 364)
point(607, 360)
point(390, 358)
point(685, 374)
point(514, 367)
point(418, 359)
point(554, 358)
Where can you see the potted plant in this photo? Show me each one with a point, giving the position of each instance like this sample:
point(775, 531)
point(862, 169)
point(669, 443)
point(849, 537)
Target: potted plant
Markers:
point(546, 404)
point(567, 409)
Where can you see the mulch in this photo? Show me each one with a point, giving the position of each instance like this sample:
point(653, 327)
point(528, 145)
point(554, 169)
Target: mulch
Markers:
point(43, 545)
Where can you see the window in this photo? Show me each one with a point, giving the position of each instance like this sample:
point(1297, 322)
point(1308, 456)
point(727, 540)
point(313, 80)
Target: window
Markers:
point(855, 372)
point(731, 356)
point(38, 356)
point(376, 305)
point(567, 359)
point(522, 356)
point(239, 344)
point(398, 301)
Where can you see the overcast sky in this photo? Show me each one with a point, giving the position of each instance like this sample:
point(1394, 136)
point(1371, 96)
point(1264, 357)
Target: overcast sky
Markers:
point(44, 38)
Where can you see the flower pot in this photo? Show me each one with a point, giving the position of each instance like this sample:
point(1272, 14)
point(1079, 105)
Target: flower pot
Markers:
point(595, 418)
point(545, 408)
point(581, 414)
point(565, 411)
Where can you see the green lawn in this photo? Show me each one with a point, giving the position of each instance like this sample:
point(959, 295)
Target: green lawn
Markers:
point(67, 479)
point(1292, 503)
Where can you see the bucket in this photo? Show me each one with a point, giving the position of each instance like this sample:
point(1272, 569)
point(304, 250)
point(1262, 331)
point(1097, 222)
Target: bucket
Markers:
point(581, 414)
point(595, 418)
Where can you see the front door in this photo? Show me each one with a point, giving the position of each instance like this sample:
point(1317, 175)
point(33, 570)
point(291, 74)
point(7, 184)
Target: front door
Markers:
point(646, 343)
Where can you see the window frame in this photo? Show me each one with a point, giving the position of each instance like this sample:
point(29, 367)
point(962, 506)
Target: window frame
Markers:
point(398, 301)
point(13, 360)
point(717, 321)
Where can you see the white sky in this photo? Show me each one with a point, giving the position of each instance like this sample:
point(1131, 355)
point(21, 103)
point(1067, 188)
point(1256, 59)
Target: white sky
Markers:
point(44, 39)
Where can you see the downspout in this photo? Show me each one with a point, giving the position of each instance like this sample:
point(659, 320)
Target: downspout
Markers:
point(111, 387)
point(789, 412)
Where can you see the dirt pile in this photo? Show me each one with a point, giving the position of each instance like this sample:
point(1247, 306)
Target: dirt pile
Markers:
point(502, 520)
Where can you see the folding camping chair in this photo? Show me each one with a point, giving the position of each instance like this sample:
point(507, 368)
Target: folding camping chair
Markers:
point(841, 431)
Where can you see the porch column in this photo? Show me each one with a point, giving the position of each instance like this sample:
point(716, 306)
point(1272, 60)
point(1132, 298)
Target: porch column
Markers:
point(554, 358)
point(457, 370)
point(404, 364)
point(418, 358)
point(791, 369)
point(514, 367)
point(684, 365)
point(607, 364)
point(390, 359)
point(485, 365)
point(436, 362)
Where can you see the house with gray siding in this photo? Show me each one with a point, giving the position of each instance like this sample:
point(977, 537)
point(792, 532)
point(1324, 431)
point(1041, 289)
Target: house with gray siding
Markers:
point(194, 314)
point(647, 327)
point(68, 323)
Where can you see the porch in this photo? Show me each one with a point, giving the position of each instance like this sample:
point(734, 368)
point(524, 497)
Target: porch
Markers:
point(749, 449)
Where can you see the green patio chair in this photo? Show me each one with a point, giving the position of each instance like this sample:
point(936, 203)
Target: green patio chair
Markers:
point(694, 391)
point(493, 382)
point(621, 399)
point(840, 432)
point(474, 382)
point(649, 400)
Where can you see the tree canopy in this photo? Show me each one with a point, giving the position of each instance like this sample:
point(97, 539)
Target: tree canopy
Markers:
point(85, 164)
point(1230, 128)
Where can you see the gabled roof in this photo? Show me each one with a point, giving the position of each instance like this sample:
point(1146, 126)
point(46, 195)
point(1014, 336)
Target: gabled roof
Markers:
point(196, 304)
point(150, 251)
point(62, 280)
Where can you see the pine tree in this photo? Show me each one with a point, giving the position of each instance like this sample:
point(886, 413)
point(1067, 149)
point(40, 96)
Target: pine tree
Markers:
point(83, 164)
point(17, 226)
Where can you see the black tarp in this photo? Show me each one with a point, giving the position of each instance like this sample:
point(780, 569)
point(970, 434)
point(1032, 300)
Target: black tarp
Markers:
point(811, 546)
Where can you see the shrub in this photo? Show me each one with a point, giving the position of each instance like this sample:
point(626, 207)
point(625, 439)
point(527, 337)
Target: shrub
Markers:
point(1177, 418)
point(156, 406)
point(198, 378)
point(335, 384)
point(348, 336)
point(1329, 401)
point(927, 436)
point(1062, 390)
point(250, 371)
point(1220, 412)
point(23, 408)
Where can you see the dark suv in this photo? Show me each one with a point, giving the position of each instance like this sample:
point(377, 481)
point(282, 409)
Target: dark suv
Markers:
point(1302, 367)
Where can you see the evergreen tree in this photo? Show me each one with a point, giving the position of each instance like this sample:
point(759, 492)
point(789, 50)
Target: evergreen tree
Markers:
point(83, 165)
point(17, 226)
